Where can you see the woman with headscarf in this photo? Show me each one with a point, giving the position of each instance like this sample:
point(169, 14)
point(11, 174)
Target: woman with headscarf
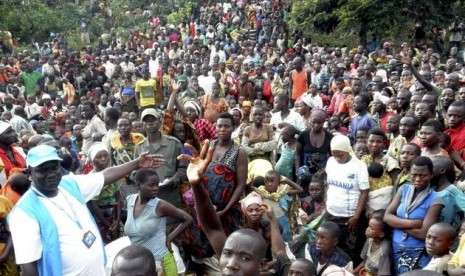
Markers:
point(380, 114)
point(304, 106)
point(10, 157)
point(191, 110)
point(106, 208)
point(348, 186)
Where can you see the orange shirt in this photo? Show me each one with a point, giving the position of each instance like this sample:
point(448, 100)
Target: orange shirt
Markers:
point(299, 83)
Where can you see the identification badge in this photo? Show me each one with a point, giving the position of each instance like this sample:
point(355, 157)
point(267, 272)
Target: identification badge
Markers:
point(88, 239)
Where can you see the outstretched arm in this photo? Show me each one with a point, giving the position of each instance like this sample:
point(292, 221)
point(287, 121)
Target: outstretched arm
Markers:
point(206, 213)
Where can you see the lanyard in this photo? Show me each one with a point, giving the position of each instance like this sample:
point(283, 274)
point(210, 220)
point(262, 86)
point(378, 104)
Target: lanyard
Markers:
point(74, 216)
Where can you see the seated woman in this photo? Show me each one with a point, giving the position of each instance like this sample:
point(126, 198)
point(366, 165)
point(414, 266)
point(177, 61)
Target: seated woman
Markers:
point(411, 213)
point(146, 222)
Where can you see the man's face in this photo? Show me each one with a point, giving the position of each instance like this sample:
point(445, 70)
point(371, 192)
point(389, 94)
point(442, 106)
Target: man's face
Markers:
point(47, 176)
point(151, 124)
point(454, 116)
point(406, 127)
point(240, 256)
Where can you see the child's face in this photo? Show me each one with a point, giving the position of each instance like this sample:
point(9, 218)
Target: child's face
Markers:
point(324, 240)
point(315, 189)
point(407, 154)
point(361, 137)
point(267, 118)
point(360, 150)
point(137, 127)
point(437, 243)
point(271, 183)
point(334, 122)
point(374, 230)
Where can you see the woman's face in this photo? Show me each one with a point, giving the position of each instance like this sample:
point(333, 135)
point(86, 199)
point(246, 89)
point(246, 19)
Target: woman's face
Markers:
point(375, 144)
point(149, 188)
point(316, 124)
point(302, 108)
point(258, 115)
point(420, 176)
point(254, 213)
point(101, 160)
point(237, 116)
point(407, 154)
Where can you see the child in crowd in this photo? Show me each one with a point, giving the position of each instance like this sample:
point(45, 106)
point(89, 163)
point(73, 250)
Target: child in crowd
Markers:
point(285, 164)
point(267, 118)
point(361, 136)
point(360, 149)
point(314, 204)
point(137, 127)
point(325, 254)
point(335, 126)
point(276, 193)
point(376, 253)
point(439, 240)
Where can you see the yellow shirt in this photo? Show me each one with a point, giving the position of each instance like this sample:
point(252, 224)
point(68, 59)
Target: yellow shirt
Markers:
point(146, 90)
point(459, 256)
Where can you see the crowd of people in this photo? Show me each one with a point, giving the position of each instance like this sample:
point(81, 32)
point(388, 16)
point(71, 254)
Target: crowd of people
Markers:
point(231, 145)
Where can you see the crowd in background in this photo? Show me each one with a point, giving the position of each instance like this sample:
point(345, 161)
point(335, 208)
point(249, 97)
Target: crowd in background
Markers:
point(308, 146)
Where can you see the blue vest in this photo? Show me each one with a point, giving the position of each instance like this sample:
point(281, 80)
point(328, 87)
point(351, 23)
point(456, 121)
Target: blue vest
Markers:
point(50, 262)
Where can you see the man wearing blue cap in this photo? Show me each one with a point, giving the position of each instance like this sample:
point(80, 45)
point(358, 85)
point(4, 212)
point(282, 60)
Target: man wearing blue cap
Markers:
point(53, 231)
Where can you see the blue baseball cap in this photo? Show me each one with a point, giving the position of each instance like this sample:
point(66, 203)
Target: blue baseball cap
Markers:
point(41, 154)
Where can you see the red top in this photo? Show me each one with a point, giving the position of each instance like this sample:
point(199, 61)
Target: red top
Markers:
point(18, 162)
point(457, 140)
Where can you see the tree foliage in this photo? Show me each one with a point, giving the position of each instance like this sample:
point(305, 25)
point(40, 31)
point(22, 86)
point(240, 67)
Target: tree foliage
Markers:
point(378, 18)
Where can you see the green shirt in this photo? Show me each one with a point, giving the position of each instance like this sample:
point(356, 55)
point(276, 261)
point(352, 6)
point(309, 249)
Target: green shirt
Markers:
point(30, 81)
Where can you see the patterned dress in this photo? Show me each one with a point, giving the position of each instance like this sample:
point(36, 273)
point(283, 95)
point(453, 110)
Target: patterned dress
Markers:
point(220, 181)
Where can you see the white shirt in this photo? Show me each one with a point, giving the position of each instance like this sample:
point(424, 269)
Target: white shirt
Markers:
point(206, 83)
point(345, 181)
point(109, 69)
point(293, 118)
point(76, 258)
point(32, 110)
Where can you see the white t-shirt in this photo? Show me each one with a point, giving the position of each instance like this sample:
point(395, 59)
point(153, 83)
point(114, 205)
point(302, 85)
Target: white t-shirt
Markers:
point(345, 181)
point(293, 118)
point(206, 83)
point(76, 258)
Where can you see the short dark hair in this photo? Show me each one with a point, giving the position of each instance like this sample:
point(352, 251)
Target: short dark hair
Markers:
point(90, 104)
point(226, 115)
point(421, 161)
point(135, 251)
point(365, 98)
point(309, 266)
point(375, 170)
point(112, 113)
point(435, 124)
point(143, 174)
point(417, 148)
point(378, 132)
point(459, 104)
point(332, 227)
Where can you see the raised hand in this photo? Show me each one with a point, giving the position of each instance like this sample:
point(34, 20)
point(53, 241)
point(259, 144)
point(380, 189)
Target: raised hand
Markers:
point(197, 163)
point(151, 161)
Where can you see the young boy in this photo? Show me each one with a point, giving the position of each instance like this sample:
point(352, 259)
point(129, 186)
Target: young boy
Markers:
point(439, 239)
point(335, 126)
point(360, 149)
point(314, 204)
point(324, 253)
point(277, 196)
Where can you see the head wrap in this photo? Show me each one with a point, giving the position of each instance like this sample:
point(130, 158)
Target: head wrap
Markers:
point(381, 98)
point(308, 100)
point(95, 149)
point(193, 105)
point(252, 198)
point(45, 96)
point(341, 143)
point(3, 126)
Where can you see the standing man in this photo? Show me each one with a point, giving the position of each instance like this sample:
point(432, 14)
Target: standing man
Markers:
point(173, 173)
point(456, 131)
point(299, 80)
point(53, 231)
point(146, 92)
